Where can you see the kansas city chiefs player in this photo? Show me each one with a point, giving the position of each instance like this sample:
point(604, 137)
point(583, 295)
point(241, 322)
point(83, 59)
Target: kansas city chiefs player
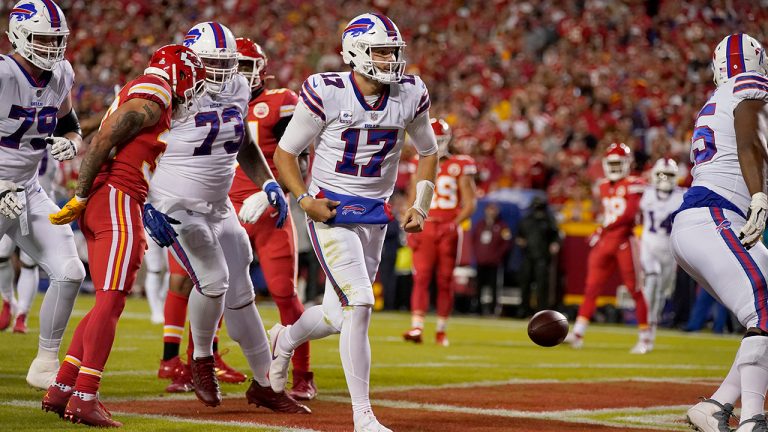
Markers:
point(269, 112)
point(435, 249)
point(615, 244)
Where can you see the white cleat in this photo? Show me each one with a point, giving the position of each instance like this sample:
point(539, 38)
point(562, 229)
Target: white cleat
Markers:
point(576, 341)
point(278, 370)
point(42, 373)
point(641, 348)
point(367, 422)
point(710, 415)
point(755, 424)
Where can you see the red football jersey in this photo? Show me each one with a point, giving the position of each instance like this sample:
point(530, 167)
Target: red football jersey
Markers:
point(446, 202)
point(264, 112)
point(133, 162)
point(620, 204)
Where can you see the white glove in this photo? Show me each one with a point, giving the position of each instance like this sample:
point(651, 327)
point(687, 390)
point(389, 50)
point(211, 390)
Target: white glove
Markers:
point(253, 207)
point(10, 205)
point(752, 231)
point(62, 148)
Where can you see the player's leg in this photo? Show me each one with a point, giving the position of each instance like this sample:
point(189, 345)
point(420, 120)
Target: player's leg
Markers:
point(652, 287)
point(628, 258)
point(156, 263)
point(425, 255)
point(7, 247)
point(447, 249)
point(53, 248)
point(29, 279)
point(705, 244)
point(600, 265)
point(175, 316)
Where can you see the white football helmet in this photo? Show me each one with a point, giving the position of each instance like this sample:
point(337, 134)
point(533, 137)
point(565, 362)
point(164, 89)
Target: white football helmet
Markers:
point(664, 174)
point(215, 45)
point(737, 53)
point(38, 32)
point(368, 31)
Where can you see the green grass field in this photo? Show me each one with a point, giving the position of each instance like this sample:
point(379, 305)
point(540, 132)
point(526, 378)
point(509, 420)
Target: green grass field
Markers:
point(481, 351)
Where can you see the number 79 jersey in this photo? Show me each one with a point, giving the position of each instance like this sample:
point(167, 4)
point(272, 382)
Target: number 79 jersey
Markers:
point(28, 115)
point(713, 144)
point(359, 146)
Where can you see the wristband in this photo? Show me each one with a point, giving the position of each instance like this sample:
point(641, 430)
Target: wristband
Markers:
point(301, 197)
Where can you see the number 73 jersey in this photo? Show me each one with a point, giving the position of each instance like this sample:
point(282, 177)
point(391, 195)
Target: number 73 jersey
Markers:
point(713, 144)
point(28, 115)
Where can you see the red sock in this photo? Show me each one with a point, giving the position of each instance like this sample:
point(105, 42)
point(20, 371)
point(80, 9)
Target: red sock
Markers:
point(175, 317)
point(290, 310)
point(98, 337)
point(71, 367)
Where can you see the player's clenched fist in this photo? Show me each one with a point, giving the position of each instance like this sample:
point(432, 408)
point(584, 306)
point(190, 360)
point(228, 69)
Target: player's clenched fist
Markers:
point(71, 211)
point(320, 209)
point(413, 221)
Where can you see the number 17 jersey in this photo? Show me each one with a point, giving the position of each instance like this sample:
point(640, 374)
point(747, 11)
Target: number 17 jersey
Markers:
point(713, 145)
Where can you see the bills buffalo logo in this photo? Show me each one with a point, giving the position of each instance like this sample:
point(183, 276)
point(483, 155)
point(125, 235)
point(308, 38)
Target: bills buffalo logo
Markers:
point(724, 225)
point(191, 37)
point(357, 28)
point(356, 209)
point(23, 12)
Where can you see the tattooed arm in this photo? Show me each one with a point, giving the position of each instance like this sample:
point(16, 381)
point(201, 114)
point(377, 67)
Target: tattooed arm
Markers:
point(118, 128)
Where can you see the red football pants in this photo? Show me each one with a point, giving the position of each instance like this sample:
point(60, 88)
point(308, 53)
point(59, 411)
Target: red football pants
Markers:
point(603, 259)
point(434, 252)
point(114, 232)
point(276, 249)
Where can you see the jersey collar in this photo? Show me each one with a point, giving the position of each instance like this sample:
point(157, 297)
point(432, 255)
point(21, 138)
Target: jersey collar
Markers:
point(381, 102)
point(44, 78)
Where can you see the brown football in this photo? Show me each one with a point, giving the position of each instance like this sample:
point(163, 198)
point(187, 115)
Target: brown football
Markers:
point(548, 328)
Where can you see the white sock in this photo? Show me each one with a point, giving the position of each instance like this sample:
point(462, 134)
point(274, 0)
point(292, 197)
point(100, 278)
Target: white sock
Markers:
point(580, 327)
point(730, 389)
point(6, 281)
point(754, 381)
point(355, 351)
point(245, 327)
point(310, 326)
point(204, 315)
point(153, 286)
point(29, 278)
point(54, 314)
point(442, 324)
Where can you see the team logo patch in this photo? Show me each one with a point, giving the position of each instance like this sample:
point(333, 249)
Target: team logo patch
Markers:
point(724, 225)
point(345, 117)
point(23, 12)
point(261, 110)
point(454, 170)
point(352, 209)
point(191, 37)
point(357, 28)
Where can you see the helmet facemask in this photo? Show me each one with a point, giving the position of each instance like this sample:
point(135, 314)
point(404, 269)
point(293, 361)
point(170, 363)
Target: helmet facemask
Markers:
point(364, 38)
point(615, 168)
point(664, 181)
point(38, 33)
point(387, 72)
point(252, 68)
point(43, 50)
point(219, 70)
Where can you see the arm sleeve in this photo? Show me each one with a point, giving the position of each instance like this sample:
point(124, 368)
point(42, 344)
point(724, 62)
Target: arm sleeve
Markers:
point(423, 135)
point(302, 130)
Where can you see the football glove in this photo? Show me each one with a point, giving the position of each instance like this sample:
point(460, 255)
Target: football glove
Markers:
point(253, 207)
point(158, 226)
point(276, 199)
point(62, 148)
point(71, 211)
point(752, 231)
point(10, 205)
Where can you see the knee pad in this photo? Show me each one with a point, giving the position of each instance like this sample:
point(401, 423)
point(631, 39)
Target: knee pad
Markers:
point(71, 270)
point(27, 261)
point(214, 289)
point(239, 297)
point(754, 348)
point(4, 260)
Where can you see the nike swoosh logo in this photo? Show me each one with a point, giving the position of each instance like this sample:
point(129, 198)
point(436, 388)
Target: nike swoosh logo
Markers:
point(274, 345)
point(314, 82)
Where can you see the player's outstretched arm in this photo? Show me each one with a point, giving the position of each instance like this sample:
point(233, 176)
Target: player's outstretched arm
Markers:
point(118, 128)
point(752, 158)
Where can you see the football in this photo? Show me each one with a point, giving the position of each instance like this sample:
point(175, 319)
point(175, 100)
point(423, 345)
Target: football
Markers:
point(548, 328)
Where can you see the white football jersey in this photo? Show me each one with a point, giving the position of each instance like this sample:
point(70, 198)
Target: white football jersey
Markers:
point(713, 150)
point(200, 160)
point(28, 115)
point(656, 211)
point(358, 149)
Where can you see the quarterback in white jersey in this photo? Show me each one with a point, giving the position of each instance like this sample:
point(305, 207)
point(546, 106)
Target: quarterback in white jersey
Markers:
point(37, 112)
point(191, 184)
point(660, 200)
point(358, 121)
point(716, 236)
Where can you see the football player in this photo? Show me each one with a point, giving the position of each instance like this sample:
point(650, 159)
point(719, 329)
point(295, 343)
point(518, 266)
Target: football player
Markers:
point(111, 189)
point(435, 250)
point(190, 184)
point(359, 119)
point(37, 112)
point(615, 244)
point(269, 112)
point(659, 201)
point(717, 232)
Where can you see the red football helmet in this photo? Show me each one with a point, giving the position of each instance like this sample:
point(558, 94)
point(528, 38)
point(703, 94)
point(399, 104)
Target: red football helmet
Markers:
point(442, 134)
point(252, 62)
point(616, 161)
point(183, 70)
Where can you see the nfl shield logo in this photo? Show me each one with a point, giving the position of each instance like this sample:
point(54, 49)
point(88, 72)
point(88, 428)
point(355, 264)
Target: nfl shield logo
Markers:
point(374, 115)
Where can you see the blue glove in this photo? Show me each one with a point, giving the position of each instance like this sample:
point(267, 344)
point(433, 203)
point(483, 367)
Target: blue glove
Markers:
point(158, 226)
point(276, 199)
